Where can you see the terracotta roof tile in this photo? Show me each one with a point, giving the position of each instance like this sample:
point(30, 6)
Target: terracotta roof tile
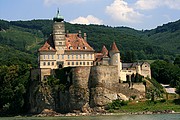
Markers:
point(104, 51)
point(48, 46)
point(114, 48)
point(76, 43)
point(98, 57)
point(73, 42)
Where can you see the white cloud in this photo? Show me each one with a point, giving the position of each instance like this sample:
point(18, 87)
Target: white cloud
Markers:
point(120, 11)
point(60, 2)
point(90, 19)
point(152, 4)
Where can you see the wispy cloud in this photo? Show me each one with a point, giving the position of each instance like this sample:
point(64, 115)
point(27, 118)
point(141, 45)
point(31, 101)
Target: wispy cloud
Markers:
point(90, 19)
point(152, 4)
point(119, 10)
point(61, 2)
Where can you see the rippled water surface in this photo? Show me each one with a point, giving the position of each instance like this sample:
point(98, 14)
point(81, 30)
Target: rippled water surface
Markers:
point(113, 117)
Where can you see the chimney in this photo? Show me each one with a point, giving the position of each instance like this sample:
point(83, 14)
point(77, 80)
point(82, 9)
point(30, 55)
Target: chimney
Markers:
point(79, 34)
point(85, 36)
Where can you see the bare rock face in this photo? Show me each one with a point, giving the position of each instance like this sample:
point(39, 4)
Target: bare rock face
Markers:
point(101, 96)
point(122, 97)
point(40, 98)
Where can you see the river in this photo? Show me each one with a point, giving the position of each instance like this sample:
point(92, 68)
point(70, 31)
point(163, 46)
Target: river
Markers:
point(112, 117)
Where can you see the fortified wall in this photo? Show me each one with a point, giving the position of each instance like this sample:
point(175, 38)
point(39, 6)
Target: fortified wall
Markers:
point(91, 89)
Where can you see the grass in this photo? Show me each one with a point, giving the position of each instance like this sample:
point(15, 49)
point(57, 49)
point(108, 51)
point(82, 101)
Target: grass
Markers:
point(159, 105)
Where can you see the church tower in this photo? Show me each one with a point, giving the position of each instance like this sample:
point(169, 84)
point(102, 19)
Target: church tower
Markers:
point(59, 32)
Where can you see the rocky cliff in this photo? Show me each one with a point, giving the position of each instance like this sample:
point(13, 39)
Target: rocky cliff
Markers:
point(90, 90)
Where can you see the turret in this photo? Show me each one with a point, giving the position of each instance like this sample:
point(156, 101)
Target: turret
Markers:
point(115, 57)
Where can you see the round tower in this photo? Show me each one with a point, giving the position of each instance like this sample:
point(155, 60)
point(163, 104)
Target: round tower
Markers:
point(59, 31)
point(115, 57)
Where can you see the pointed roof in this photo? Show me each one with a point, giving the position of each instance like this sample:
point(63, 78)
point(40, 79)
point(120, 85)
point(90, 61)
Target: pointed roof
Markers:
point(114, 48)
point(104, 51)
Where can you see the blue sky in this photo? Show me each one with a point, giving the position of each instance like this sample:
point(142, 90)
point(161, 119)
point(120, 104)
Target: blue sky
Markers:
point(138, 14)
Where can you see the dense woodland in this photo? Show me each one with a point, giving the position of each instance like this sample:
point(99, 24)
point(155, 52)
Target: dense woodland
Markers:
point(20, 40)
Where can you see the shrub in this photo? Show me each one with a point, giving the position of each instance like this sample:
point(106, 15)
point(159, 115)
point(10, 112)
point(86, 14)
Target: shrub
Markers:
point(116, 104)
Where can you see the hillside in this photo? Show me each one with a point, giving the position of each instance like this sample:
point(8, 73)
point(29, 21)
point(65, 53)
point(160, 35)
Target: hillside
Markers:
point(160, 43)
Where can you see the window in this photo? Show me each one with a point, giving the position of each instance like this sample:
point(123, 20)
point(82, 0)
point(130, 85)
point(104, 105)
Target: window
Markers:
point(80, 56)
point(84, 48)
point(68, 56)
point(72, 63)
point(87, 56)
point(83, 56)
point(60, 43)
point(48, 63)
point(90, 56)
point(52, 56)
point(68, 63)
point(58, 56)
point(70, 47)
point(76, 56)
point(91, 63)
point(44, 63)
point(83, 63)
point(62, 56)
point(76, 63)
point(48, 57)
point(87, 63)
point(44, 56)
point(52, 63)
point(78, 48)
point(72, 56)
point(80, 63)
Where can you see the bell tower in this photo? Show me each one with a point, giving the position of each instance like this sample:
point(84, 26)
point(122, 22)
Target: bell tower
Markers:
point(59, 31)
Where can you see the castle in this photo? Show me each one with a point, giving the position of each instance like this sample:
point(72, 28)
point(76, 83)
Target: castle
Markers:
point(64, 49)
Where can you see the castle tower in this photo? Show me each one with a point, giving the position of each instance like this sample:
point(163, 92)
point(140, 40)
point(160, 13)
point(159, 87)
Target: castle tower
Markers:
point(115, 57)
point(59, 32)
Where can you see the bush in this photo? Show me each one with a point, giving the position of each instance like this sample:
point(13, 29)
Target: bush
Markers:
point(116, 104)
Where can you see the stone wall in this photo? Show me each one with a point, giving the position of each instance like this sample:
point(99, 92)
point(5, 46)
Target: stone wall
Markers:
point(91, 89)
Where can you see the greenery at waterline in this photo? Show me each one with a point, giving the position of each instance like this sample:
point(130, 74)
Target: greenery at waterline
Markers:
point(159, 105)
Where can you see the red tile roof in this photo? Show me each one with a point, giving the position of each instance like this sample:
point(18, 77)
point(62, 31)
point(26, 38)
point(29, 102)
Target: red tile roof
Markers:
point(98, 57)
point(114, 48)
point(73, 43)
point(104, 51)
point(76, 43)
point(48, 46)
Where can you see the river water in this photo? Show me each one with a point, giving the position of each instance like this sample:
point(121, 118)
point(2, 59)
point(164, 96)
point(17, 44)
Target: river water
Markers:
point(112, 117)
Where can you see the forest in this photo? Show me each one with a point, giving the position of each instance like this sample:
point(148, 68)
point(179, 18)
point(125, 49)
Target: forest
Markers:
point(20, 40)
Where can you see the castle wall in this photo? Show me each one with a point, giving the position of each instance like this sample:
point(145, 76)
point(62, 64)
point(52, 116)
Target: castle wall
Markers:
point(102, 79)
point(79, 91)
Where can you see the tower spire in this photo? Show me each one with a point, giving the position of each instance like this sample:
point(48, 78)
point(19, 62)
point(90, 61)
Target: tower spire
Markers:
point(58, 17)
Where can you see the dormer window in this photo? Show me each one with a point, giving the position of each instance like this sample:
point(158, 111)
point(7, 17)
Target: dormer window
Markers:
point(50, 48)
point(78, 48)
point(70, 47)
point(84, 48)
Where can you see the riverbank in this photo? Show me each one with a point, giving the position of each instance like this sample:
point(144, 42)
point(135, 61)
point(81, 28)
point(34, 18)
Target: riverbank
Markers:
point(132, 108)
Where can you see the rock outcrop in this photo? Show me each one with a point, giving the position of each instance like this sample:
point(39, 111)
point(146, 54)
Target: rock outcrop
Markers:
point(91, 89)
